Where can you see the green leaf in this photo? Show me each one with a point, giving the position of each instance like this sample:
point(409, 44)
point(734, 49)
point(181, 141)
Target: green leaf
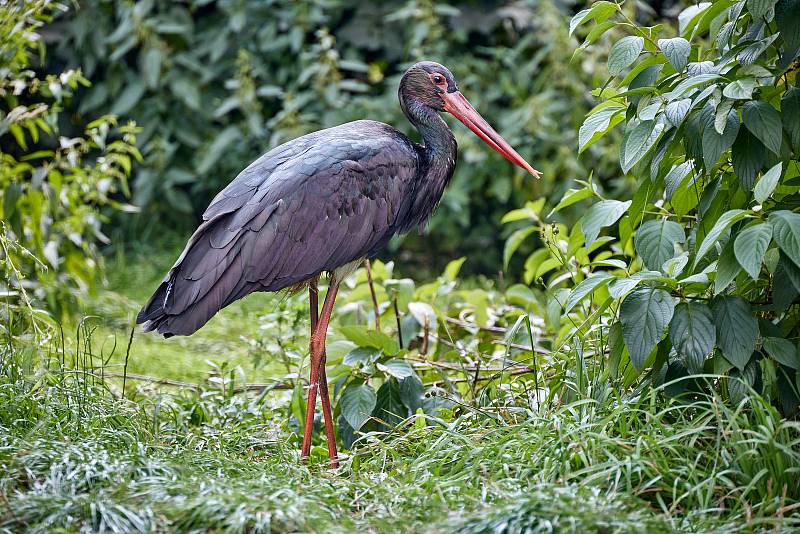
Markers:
point(655, 242)
point(693, 334)
point(571, 197)
point(585, 288)
point(722, 114)
point(151, 67)
point(690, 83)
point(128, 98)
point(765, 123)
point(786, 231)
point(759, 8)
point(595, 125)
point(676, 111)
point(739, 381)
point(221, 142)
point(367, 337)
point(783, 351)
point(715, 144)
point(741, 89)
point(787, 16)
point(766, 185)
point(600, 215)
point(412, 392)
point(644, 314)
point(389, 406)
point(361, 355)
point(624, 53)
point(725, 221)
point(514, 241)
point(599, 11)
point(727, 268)
point(750, 246)
point(396, 368)
point(737, 329)
point(675, 178)
point(677, 51)
point(638, 142)
point(790, 107)
point(357, 403)
point(748, 156)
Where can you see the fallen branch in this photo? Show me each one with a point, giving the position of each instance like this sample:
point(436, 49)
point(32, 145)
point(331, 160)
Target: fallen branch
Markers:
point(189, 385)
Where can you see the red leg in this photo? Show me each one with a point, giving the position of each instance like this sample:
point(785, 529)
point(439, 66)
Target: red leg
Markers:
point(317, 349)
point(327, 413)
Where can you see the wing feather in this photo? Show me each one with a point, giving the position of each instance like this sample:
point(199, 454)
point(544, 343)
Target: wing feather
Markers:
point(311, 205)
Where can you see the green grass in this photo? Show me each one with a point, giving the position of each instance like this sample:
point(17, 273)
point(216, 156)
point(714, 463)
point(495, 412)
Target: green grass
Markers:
point(75, 456)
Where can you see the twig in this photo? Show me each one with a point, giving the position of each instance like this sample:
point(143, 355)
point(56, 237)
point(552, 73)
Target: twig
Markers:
point(127, 355)
point(397, 317)
point(189, 385)
point(368, 268)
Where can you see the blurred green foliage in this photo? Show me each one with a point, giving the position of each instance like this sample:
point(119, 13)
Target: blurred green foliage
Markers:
point(215, 84)
point(53, 187)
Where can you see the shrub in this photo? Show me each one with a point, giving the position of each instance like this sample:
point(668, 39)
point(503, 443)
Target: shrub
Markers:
point(702, 272)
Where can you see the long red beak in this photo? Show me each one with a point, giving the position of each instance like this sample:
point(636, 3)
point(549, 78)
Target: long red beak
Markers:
point(460, 108)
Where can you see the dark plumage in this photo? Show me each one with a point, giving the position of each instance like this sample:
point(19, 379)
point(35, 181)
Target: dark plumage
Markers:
point(313, 204)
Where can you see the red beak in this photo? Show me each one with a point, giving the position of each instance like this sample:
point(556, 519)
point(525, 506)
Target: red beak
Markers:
point(460, 108)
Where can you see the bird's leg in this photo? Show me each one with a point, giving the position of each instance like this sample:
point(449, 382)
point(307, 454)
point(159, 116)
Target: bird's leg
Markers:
point(327, 413)
point(317, 350)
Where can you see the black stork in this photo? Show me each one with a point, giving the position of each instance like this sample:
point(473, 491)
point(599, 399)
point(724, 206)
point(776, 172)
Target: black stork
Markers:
point(320, 203)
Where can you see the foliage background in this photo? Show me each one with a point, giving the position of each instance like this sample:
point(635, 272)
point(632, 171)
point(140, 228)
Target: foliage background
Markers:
point(215, 84)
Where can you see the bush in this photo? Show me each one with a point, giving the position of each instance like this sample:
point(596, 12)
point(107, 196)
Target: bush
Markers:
point(53, 188)
point(708, 248)
point(215, 84)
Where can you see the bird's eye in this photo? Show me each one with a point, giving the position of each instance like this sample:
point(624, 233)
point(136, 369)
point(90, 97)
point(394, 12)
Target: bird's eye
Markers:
point(438, 80)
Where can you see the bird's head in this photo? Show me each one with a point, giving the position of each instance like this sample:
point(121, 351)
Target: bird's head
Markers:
point(434, 86)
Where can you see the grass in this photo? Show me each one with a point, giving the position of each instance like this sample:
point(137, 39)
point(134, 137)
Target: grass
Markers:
point(75, 456)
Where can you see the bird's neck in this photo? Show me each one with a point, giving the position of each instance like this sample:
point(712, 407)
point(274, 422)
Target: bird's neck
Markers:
point(438, 158)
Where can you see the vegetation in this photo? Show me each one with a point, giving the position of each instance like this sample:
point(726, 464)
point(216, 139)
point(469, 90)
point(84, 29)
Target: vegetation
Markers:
point(635, 368)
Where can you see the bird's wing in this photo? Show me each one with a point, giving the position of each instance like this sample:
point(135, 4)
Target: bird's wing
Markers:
point(311, 205)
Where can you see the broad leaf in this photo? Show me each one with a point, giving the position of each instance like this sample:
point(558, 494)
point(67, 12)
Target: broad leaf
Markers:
point(741, 89)
point(571, 197)
point(638, 142)
point(727, 268)
point(600, 215)
point(759, 8)
point(367, 337)
point(783, 350)
point(787, 16)
point(396, 368)
point(644, 315)
point(715, 144)
point(389, 406)
point(786, 231)
point(765, 123)
point(357, 403)
point(677, 51)
point(585, 288)
point(748, 157)
point(655, 242)
point(790, 107)
point(412, 392)
point(766, 185)
point(624, 53)
point(597, 123)
point(599, 12)
point(693, 334)
point(514, 241)
point(737, 329)
point(676, 111)
point(725, 221)
point(675, 177)
point(750, 246)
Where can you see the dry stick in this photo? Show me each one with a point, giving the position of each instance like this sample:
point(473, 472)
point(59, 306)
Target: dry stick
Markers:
point(368, 268)
point(189, 385)
point(426, 336)
point(397, 317)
